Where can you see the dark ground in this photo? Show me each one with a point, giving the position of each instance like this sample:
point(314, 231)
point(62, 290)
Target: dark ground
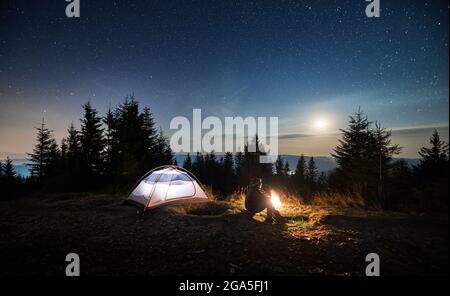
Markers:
point(37, 232)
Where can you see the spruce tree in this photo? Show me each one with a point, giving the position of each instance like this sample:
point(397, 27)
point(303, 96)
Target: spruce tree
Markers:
point(434, 159)
point(73, 143)
point(286, 168)
point(300, 174)
point(44, 153)
point(8, 171)
point(431, 175)
point(364, 155)
point(228, 176)
point(279, 166)
point(92, 142)
point(187, 164)
point(351, 152)
point(311, 175)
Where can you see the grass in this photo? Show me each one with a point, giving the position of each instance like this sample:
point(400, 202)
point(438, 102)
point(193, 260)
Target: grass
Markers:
point(300, 223)
point(212, 238)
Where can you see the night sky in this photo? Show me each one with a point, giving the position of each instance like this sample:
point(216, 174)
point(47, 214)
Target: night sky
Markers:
point(312, 63)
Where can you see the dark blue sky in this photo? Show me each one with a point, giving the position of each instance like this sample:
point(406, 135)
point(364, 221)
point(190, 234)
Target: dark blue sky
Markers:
point(303, 61)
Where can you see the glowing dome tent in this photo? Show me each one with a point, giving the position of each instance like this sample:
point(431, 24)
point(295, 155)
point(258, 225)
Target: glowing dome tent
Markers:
point(164, 185)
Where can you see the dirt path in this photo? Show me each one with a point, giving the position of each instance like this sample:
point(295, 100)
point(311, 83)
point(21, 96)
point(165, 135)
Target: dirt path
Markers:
point(36, 234)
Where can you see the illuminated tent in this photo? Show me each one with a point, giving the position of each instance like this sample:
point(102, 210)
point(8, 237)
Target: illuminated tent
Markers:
point(164, 185)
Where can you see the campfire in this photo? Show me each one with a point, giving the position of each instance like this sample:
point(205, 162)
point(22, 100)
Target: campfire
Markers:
point(275, 199)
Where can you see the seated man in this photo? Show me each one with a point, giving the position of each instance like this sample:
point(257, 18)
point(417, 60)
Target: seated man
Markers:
point(256, 201)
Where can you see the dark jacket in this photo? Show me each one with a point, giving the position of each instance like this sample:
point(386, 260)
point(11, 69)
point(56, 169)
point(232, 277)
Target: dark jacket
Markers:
point(255, 200)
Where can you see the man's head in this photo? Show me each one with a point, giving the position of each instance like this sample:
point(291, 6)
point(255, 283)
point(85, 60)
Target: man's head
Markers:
point(256, 183)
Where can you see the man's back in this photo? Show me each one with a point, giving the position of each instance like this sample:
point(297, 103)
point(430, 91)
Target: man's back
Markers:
point(255, 201)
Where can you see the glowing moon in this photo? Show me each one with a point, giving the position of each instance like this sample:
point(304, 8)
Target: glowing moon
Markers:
point(321, 123)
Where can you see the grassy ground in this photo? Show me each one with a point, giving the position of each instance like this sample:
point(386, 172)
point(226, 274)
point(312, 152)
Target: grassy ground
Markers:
point(217, 238)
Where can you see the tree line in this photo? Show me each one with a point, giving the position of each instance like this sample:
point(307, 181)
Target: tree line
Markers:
point(107, 152)
point(111, 152)
point(366, 167)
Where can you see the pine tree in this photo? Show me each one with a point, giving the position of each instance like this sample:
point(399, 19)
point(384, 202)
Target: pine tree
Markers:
point(54, 159)
point(187, 164)
point(250, 166)
point(228, 176)
point(322, 181)
point(431, 175)
point(351, 153)
point(364, 156)
point(63, 149)
point(286, 168)
point(150, 134)
point(73, 143)
point(70, 166)
point(92, 142)
point(111, 144)
point(311, 175)
point(44, 153)
point(279, 167)
point(300, 175)
point(8, 171)
point(239, 167)
point(164, 152)
point(436, 157)
point(134, 144)
point(9, 180)
point(381, 151)
point(434, 163)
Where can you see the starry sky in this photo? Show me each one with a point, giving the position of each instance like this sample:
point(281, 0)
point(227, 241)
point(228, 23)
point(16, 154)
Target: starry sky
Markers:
point(311, 63)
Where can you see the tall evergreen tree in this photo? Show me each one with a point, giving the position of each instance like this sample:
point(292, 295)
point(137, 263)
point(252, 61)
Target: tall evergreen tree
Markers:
point(279, 167)
point(44, 154)
point(73, 143)
point(9, 181)
point(250, 166)
point(164, 152)
point(351, 154)
point(228, 176)
point(70, 166)
point(8, 171)
point(112, 150)
point(300, 175)
point(150, 135)
point(92, 143)
point(187, 164)
point(239, 167)
point(286, 168)
point(435, 159)
point(311, 175)
point(381, 151)
point(431, 175)
point(364, 156)
point(133, 152)
point(322, 182)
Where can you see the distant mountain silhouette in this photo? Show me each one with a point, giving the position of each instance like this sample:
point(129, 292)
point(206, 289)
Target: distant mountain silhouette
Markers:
point(12, 155)
point(323, 163)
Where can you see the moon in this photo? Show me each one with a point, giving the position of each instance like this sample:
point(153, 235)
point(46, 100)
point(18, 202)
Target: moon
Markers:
point(321, 123)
